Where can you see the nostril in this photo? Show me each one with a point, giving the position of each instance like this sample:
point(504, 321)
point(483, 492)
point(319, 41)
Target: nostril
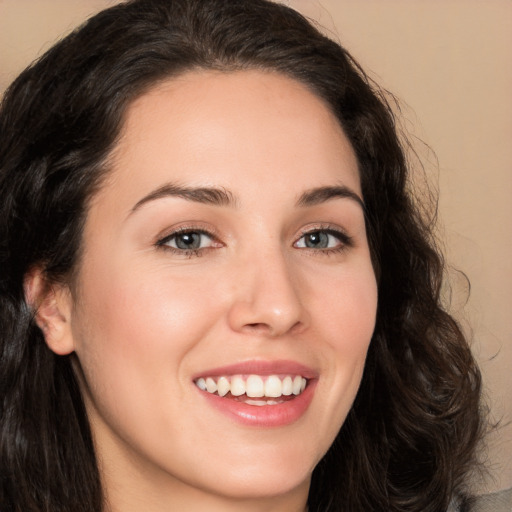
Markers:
point(262, 316)
point(268, 329)
point(258, 327)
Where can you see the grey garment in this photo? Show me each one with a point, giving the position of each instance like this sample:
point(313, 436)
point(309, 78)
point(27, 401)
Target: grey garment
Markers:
point(495, 502)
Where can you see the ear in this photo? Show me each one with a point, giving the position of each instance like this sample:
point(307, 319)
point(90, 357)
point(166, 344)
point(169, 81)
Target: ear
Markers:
point(52, 304)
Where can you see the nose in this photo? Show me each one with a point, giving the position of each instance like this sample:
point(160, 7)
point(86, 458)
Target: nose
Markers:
point(266, 298)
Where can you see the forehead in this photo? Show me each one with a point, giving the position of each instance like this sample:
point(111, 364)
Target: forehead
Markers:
point(232, 129)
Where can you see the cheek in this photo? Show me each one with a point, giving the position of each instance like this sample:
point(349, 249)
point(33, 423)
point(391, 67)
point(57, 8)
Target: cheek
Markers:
point(129, 299)
point(131, 331)
point(346, 313)
point(353, 317)
point(346, 308)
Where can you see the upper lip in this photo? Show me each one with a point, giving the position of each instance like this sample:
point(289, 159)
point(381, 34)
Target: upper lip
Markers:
point(260, 367)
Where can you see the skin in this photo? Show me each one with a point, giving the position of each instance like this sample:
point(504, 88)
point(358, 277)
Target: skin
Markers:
point(143, 319)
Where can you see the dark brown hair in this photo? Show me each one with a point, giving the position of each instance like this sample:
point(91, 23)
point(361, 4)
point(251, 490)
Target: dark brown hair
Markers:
point(410, 437)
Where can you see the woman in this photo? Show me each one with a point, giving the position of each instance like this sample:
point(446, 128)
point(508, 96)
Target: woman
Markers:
point(216, 291)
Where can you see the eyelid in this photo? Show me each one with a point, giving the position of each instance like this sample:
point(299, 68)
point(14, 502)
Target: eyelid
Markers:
point(184, 227)
point(163, 238)
point(346, 241)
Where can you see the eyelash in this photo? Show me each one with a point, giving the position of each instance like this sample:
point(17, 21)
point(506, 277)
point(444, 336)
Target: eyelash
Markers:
point(345, 241)
point(189, 253)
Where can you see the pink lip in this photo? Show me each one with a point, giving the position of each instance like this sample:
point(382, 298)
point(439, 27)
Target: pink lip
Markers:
point(267, 415)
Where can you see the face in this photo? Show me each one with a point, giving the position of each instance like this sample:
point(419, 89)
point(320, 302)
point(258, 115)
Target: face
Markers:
point(226, 298)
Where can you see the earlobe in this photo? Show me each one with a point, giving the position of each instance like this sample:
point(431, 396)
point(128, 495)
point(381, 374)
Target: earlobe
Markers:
point(51, 304)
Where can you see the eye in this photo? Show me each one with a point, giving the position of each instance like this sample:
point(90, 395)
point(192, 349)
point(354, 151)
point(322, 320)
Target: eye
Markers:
point(188, 240)
point(323, 239)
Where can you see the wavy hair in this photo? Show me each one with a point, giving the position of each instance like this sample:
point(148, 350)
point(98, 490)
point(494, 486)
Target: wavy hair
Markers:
point(410, 437)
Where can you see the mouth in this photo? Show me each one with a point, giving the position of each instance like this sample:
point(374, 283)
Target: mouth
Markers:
point(269, 389)
point(259, 393)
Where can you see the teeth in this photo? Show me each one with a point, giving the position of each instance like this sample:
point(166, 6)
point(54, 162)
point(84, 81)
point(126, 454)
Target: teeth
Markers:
point(254, 386)
point(237, 386)
point(262, 402)
point(223, 386)
point(211, 385)
point(287, 386)
point(273, 386)
point(256, 402)
point(297, 384)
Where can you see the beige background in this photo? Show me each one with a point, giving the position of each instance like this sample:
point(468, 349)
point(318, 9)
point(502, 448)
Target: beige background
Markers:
point(449, 62)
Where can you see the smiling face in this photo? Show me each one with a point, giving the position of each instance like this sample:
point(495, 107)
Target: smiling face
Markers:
point(226, 298)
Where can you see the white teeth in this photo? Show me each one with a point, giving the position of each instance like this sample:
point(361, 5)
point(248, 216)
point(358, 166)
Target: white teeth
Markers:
point(297, 384)
point(211, 385)
point(254, 386)
point(287, 386)
point(223, 386)
point(256, 402)
point(261, 402)
point(237, 386)
point(273, 386)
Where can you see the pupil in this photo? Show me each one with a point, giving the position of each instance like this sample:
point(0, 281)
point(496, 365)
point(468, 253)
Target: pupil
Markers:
point(188, 241)
point(317, 240)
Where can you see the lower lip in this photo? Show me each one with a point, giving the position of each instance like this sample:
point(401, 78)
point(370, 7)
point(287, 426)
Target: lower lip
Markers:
point(277, 415)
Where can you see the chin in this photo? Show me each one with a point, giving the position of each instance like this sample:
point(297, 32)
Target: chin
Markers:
point(267, 483)
point(268, 474)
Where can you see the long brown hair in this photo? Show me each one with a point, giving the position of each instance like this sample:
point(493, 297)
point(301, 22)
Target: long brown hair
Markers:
point(410, 437)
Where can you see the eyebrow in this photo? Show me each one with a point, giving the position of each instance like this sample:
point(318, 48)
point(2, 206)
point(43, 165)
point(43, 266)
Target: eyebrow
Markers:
point(320, 195)
point(222, 197)
point(206, 195)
